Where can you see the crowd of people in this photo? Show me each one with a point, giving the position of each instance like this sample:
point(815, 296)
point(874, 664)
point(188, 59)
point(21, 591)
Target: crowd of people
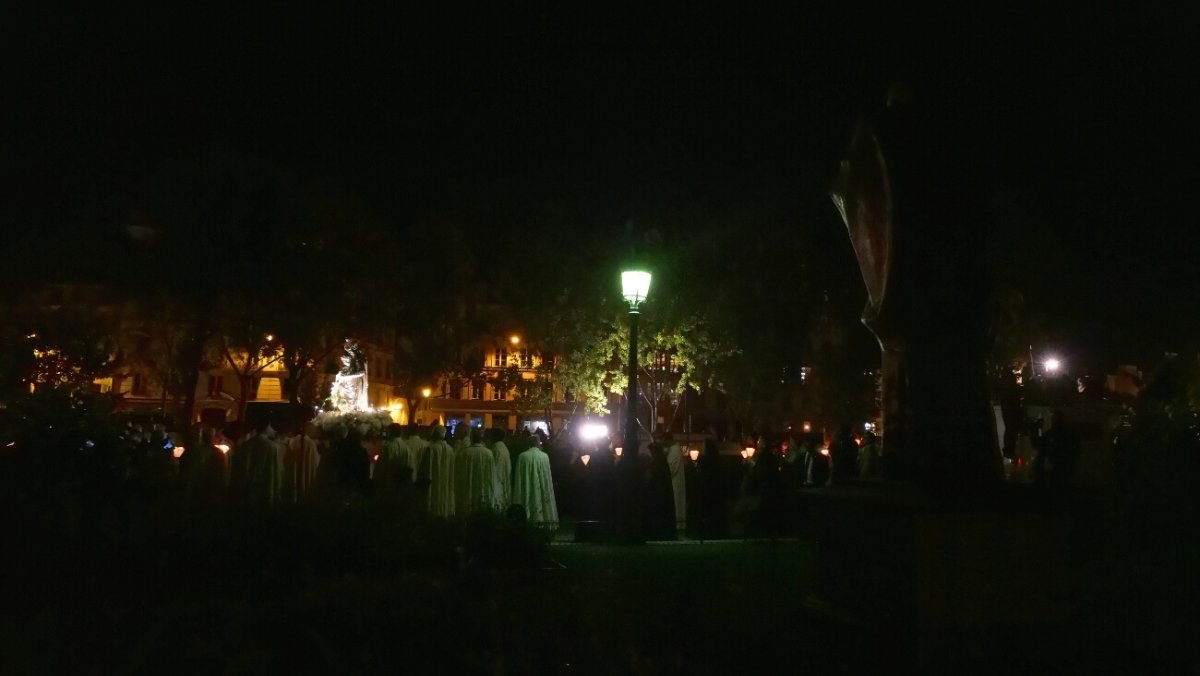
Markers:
point(527, 475)
point(415, 468)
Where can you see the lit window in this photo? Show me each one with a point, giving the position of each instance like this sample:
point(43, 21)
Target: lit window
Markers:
point(500, 359)
point(477, 390)
point(498, 394)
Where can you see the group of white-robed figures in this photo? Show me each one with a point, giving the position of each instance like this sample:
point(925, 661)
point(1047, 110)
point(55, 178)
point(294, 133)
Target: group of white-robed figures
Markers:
point(468, 476)
point(461, 478)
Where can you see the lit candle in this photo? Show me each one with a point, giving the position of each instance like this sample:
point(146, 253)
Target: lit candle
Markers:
point(177, 452)
point(694, 455)
point(617, 450)
point(585, 459)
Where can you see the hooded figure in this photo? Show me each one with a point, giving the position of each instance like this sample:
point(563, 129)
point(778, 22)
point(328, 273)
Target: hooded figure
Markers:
point(416, 447)
point(533, 487)
point(255, 470)
point(503, 467)
point(393, 469)
point(437, 470)
point(678, 479)
point(474, 477)
point(300, 461)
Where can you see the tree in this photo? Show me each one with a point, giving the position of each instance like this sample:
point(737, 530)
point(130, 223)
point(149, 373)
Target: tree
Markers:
point(248, 347)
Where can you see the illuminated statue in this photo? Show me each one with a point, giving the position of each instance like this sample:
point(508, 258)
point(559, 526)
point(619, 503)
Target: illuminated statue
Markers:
point(349, 391)
point(909, 195)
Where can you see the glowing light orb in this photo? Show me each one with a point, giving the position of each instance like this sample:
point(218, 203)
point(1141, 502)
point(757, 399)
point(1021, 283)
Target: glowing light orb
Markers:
point(593, 431)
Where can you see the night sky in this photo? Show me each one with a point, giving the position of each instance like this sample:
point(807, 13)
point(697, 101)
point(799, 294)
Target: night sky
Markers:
point(684, 121)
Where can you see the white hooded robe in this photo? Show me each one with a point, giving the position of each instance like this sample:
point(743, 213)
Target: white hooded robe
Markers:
point(503, 467)
point(533, 487)
point(438, 464)
point(474, 480)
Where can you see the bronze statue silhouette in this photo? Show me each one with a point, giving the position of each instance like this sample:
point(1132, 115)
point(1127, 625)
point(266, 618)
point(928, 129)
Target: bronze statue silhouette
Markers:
point(908, 196)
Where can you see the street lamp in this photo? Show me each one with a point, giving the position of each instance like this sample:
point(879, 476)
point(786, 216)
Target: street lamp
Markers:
point(635, 285)
point(1052, 365)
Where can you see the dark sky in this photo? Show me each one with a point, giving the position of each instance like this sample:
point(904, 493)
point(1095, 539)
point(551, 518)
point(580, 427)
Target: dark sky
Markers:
point(688, 120)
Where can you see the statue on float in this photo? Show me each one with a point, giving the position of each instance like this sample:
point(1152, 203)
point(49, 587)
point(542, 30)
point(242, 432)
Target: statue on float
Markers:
point(349, 391)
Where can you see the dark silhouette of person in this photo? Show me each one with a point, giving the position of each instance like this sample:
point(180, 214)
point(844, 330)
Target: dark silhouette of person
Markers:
point(712, 491)
point(1057, 453)
point(659, 515)
point(766, 482)
point(843, 453)
point(352, 469)
point(816, 464)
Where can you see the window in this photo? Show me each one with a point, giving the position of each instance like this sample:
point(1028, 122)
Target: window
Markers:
point(526, 358)
point(477, 390)
point(499, 393)
point(139, 385)
point(215, 387)
point(569, 397)
point(500, 358)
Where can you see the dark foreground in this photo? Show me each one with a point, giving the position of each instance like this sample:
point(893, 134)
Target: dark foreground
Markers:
point(350, 593)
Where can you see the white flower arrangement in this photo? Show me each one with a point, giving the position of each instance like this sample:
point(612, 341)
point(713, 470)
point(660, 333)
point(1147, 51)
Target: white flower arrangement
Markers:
point(369, 424)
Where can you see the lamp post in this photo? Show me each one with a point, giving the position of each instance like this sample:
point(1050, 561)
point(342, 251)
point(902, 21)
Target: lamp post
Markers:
point(635, 285)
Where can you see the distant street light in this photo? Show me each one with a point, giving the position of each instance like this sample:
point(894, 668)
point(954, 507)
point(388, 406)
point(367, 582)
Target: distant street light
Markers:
point(1052, 365)
point(515, 340)
point(425, 392)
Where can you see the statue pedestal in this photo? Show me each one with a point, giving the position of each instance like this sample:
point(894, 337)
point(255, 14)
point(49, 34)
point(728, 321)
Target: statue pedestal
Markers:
point(932, 586)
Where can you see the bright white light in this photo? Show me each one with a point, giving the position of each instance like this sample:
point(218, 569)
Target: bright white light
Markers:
point(617, 451)
point(224, 448)
point(749, 451)
point(1052, 365)
point(593, 431)
point(694, 455)
point(824, 451)
point(585, 459)
point(635, 285)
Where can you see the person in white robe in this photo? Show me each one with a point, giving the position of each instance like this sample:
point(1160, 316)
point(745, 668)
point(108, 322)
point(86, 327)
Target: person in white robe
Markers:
point(503, 467)
point(462, 435)
point(437, 471)
point(533, 487)
point(474, 477)
point(416, 447)
point(678, 479)
point(255, 469)
point(393, 470)
point(300, 461)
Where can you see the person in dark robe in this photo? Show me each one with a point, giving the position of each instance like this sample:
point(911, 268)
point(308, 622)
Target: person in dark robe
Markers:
point(712, 491)
point(351, 467)
point(659, 515)
point(766, 482)
point(843, 453)
point(601, 484)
